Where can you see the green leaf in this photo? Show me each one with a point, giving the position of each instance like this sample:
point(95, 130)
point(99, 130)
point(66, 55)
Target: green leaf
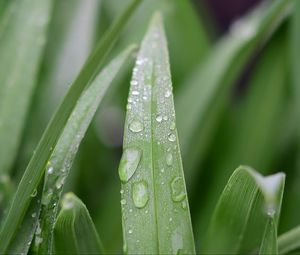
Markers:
point(37, 164)
point(239, 200)
point(74, 231)
point(154, 203)
point(289, 241)
point(61, 159)
point(245, 142)
point(23, 31)
point(198, 113)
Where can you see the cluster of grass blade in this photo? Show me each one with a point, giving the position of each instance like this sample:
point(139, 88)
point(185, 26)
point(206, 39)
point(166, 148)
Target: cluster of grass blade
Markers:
point(155, 210)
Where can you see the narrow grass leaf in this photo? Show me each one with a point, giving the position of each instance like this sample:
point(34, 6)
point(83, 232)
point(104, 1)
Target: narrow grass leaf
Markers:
point(61, 159)
point(37, 164)
point(289, 241)
point(23, 31)
point(198, 113)
point(232, 214)
point(153, 188)
point(74, 231)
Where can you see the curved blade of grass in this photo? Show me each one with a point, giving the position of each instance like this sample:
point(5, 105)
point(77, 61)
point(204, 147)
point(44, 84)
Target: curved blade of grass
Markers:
point(269, 241)
point(153, 188)
point(203, 96)
point(74, 231)
point(289, 241)
point(61, 159)
point(6, 193)
point(23, 32)
point(37, 164)
point(231, 218)
point(245, 143)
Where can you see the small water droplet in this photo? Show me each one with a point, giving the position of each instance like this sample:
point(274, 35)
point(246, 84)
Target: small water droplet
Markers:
point(133, 83)
point(172, 126)
point(50, 170)
point(60, 181)
point(34, 193)
point(140, 194)
point(162, 170)
point(122, 191)
point(177, 188)
point(128, 107)
point(136, 126)
point(38, 240)
point(47, 197)
point(169, 159)
point(159, 118)
point(170, 219)
point(123, 201)
point(168, 93)
point(135, 92)
point(129, 162)
point(165, 117)
point(184, 204)
point(33, 215)
point(130, 231)
point(171, 137)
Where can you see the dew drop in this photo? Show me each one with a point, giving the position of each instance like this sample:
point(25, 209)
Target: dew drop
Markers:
point(133, 83)
point(33, 215)
point(47, 197)
point(60, 181)
point(140, 194)
point(130, 231)
point(135, 93)
point(171, 137)
point(50, 170)
point(169, 159)
point(136, 126)
point(122, 191)
point(129, 162)
point(183, 204)
point(123, 201)
point(159, 118)
point(177, 188)
point(168, 93)
point(172, 126)
point(165, 117)
point(68, 203)
point(34, 193)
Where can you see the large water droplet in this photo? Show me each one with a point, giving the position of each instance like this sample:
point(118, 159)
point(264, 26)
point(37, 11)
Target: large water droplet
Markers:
point(169, 159)
point(140, 194)
point(177, 188)
point(136, 126)
point(129, 162)
point(172, 137)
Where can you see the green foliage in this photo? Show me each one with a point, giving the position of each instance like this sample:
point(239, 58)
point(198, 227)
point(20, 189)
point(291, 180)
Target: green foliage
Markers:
point(237, 103)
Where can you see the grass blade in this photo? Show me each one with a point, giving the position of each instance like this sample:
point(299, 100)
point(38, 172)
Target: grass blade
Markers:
point(23, 30)
point(289, 241)
point(153, 188)
point(61, 159)
point(226, 61)
point(245, 143)
point(75, 232)
point(232, 214)
point(37, 164)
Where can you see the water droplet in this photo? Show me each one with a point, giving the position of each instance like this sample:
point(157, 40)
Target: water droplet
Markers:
point(171, 137)
point(172, 126)
point(33, 215)
point(169, 159)
point(170, 219)
point(165, 117)
point(50, 170)
point(60, 181)
point(129, 162)
point(135, 93)
point(68, 202)
point(34, 193)
point(140, 194)
point(128, 107)
point(136, 126)
point(184, 204)
point(168, 93)
point(47, 197)
point(133, 83)
point(177, 188)
point(162, 170)
point(130, 231)
point(122, 191)
point(123, 201)
point(159, 118)
point(38, 240)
